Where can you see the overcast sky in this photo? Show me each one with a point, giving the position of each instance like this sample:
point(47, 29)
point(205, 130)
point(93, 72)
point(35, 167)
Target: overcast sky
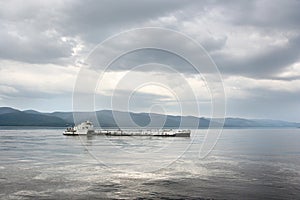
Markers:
point(255, 45)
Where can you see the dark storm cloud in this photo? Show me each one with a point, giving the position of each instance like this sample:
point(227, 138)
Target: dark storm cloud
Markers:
point(33, 31)
point(27, 33)
point(265, 18)
point(212, 44)
point(266, 14)
point(34, 47)
point(136, 58)
point(262, 64)
point(98, 21)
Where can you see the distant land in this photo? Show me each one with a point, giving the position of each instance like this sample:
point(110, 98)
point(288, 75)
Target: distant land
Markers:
point(13, 117)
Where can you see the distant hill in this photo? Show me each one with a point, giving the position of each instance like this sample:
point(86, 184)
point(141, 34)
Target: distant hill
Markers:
point(5, 110)
point(28, 119)
point(31, 112)
point(108, 118)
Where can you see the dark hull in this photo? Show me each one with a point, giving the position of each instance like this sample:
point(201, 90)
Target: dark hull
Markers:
point(70, 134)
point(164, 135)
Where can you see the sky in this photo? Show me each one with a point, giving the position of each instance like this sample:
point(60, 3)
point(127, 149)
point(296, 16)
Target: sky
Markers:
point(254, 44)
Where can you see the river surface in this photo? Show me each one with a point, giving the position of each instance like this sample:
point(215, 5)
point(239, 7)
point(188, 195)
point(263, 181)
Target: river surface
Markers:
point(245, 164)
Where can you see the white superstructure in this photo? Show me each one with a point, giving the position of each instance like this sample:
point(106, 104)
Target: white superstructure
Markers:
point(85, 128)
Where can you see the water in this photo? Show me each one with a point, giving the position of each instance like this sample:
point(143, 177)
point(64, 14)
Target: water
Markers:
point(245, 164)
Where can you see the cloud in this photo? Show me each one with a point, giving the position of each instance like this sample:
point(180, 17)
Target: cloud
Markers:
point(34, 33)
point(262, 64)
point(34, 81)
point(247, 49)
point(28, 33)
point(266, 14)
point(94, 22)
point(34, 47)
point(258, 48)
point(42, 32)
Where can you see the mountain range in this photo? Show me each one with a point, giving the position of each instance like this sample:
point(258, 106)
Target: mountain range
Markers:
point(108, 118)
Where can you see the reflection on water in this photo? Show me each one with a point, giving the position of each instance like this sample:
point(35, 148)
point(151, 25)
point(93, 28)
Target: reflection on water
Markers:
point(246, 163)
